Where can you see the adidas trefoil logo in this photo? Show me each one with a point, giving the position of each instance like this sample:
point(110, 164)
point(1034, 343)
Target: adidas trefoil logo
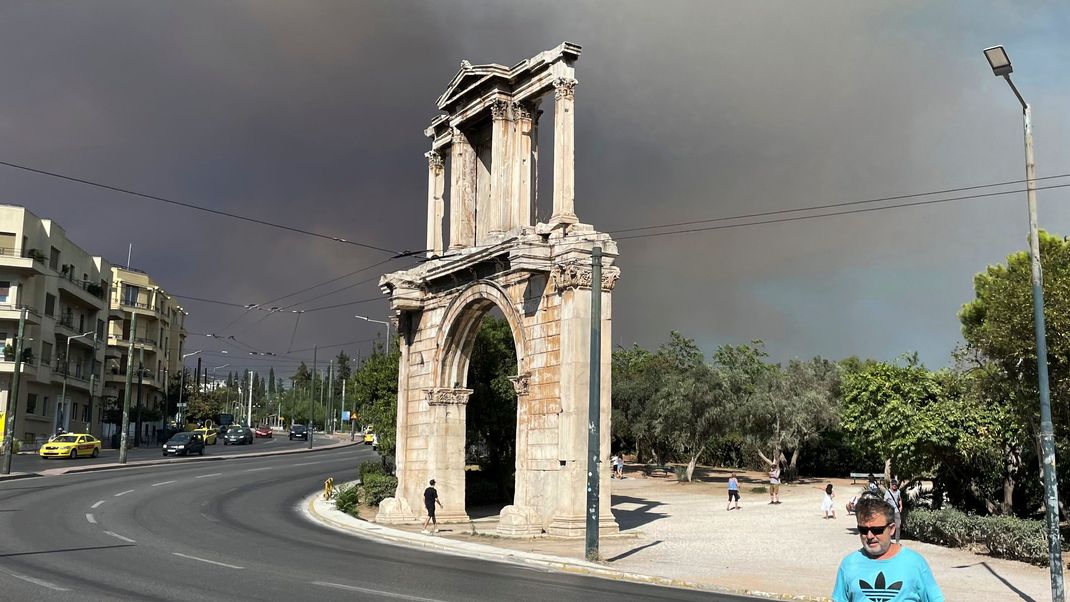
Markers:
point(878, 592)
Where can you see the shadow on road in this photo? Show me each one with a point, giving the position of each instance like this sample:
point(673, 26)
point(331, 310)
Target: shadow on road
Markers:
point(630, 519)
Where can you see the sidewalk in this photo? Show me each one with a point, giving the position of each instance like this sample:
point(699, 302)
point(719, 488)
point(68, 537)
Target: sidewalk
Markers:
point(680, 534)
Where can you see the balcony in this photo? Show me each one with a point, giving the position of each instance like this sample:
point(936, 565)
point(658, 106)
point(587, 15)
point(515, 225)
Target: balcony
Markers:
point(77, 378)
point(10, 311)
point(84, 292)
point(31, 262)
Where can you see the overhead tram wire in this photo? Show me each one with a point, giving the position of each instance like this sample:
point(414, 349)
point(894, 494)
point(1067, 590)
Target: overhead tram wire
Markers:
point(833, 214)
point(844, 204)
point(199, 208)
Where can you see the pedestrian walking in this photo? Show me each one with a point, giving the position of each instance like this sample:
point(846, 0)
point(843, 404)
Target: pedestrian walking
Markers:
point(430, 499)
point(733, 493)
point(774, 483)
point(619, 466)
point(894, 498)
point(613, 467)
point(826, 504)
point(881, 569)
point(872, 486)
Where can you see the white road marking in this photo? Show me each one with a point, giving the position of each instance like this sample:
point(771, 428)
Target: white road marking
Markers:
point(91, 518)
point(98, 504)
point(163, 483)
point(205, 476)
point(376, 592)
point(208, 518)
point(256, 469)
point(309, 463)
point(116, 535)
point(229, 566)
point(40, 582)
point(124, 492)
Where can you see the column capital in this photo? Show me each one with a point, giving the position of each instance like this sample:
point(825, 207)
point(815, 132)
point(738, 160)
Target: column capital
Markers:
point(500, 109)
point(442, 396)
point(565, 87)
point(523, 111)
point(434, 160)
point(577, 275)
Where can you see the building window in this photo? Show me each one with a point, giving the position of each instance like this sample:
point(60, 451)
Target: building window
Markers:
point(31, 403)
point(100, 329)
point(85, 413)
point(44, 407)
point(50, 305)
point(46, 354)
point(130, 294)
point(5, 291)
point(53, 259)
point(29, 438)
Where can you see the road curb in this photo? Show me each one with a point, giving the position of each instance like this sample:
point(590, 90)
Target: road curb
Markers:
point(323, 512)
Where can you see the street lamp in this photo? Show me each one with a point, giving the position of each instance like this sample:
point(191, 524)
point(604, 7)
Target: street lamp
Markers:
point(1001, 67)
point(66, 369)
point(387, 323)
point(182, 383)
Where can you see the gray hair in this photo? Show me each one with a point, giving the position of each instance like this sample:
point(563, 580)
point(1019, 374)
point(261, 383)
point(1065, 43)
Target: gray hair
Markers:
point(871, 506)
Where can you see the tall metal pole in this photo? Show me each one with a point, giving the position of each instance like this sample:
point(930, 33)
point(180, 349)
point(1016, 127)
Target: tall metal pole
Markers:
point(92, 380)
point(63, 390)
point(1047, 434)
point(13, 399)
point(594, 406)
point(330, 399)
point(181, 385)
point(312, 397)
point(126, 393)
point(249, 410)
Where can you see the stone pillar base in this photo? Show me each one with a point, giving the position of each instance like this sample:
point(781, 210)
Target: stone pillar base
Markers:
point(576, 526)
point(450, 516)
point(519, 521)
point(393, 511)
point(564, 218)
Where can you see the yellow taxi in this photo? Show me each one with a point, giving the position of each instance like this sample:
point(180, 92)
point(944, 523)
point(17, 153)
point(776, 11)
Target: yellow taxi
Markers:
point(207, 433)
point(71, 445)
point(369, 437)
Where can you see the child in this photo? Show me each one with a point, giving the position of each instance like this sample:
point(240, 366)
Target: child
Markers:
point(826, 504)
point(733, 492)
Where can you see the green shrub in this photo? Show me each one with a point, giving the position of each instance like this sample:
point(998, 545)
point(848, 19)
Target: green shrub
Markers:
point(680, 471)
point(377, 487)
point(1004, 536)
point(367, 468)
point(347, 498)
point(1015, 538)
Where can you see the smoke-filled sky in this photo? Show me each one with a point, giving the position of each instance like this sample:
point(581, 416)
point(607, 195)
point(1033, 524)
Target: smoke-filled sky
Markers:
point(310, 113)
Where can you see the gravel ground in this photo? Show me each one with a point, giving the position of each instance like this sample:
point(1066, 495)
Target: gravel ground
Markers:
point(685, 533)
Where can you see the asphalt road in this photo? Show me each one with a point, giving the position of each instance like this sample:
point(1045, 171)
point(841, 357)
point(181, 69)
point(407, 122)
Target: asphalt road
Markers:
point(233, 530)
point(35, 463)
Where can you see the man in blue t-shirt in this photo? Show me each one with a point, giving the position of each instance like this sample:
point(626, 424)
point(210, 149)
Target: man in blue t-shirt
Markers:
point(883, 571)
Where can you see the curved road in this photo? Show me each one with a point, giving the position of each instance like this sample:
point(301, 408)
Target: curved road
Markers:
point(233, 530)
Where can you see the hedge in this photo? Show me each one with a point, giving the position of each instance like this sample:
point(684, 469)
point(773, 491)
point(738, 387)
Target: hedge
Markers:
point(346, 499)
point(367, 468)
point(1003, 536)
point(377, 487)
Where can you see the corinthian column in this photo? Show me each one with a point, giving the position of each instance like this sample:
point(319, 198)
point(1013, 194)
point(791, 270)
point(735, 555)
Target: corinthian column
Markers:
point(523, 165)
point(501, 183)
point(435, 187)
point(564, 153)
point(462, 192)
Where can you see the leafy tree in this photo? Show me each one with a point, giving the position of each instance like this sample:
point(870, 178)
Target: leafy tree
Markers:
point(375, 387)
point(635, 382)
point(998, 328)
point(490, 430)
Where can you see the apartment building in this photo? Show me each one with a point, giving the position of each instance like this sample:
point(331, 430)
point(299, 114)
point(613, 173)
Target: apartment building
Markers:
point(63, 291)
point(157, 337)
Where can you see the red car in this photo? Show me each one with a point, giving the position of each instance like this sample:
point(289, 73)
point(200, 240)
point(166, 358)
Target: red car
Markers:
point(263, 431)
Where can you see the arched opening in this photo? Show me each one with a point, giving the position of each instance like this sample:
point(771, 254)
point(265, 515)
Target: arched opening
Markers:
point(490, 430)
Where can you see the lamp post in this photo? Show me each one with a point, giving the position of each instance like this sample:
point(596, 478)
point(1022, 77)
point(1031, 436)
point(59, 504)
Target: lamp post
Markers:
point(387, 323)
point(182, 384)
point(1001, 66)
point(66, 369)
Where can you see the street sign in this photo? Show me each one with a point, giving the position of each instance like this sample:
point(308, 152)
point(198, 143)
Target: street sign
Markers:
point(182, 405)
point(345, 415)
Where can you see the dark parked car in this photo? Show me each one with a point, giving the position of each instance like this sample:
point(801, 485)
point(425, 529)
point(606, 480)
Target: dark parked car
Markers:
point(238, 435)
point(298, 431)
point(184, 444)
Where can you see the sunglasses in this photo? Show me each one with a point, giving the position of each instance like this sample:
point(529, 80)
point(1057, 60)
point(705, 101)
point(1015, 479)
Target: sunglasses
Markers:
point(874, 530)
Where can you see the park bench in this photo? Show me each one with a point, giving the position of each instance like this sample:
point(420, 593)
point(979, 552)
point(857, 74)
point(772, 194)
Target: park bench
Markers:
point(657, 471)
point(863, 475)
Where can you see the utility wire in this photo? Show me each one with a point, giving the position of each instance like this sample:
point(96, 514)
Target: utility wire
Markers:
point(835, 213)
point(198, 207)
point(834, 205)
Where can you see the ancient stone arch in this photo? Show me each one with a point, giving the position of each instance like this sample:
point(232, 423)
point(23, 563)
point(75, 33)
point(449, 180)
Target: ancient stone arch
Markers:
point(493, 252)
